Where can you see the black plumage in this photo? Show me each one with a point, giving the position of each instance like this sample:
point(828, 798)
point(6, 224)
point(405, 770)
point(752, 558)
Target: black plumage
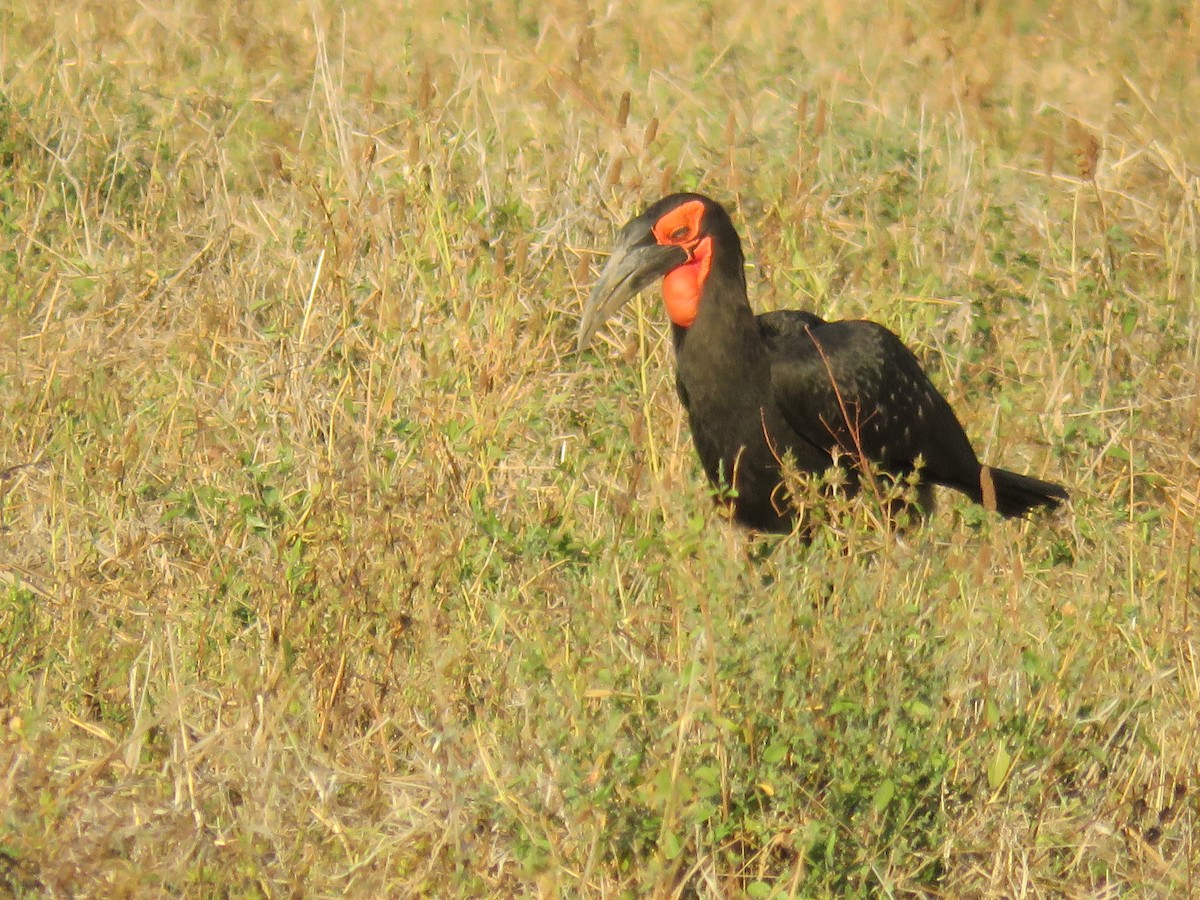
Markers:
point(759, 388)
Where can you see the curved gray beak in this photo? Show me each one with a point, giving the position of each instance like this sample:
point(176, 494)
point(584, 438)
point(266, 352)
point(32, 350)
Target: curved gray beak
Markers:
point(636, 262)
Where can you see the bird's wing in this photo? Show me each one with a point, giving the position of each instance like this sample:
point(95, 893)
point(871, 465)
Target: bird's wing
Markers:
point(854, 387)
point(787, 327)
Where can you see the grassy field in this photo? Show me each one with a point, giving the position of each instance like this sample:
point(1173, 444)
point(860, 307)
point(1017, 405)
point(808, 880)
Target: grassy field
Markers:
point(328, 569)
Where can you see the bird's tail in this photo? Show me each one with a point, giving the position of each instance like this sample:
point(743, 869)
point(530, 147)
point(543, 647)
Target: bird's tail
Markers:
point(1015, 495)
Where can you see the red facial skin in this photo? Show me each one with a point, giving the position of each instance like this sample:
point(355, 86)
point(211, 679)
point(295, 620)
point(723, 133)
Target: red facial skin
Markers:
point(683, 286)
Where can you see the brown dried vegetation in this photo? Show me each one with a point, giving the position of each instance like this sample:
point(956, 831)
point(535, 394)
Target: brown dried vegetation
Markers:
point(327, 570)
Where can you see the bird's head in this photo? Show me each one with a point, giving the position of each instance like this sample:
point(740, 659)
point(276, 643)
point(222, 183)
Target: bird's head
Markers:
point(678, 239)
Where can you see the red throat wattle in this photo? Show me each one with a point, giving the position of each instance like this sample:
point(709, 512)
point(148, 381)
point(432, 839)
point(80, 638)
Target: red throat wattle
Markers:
point(683, 286)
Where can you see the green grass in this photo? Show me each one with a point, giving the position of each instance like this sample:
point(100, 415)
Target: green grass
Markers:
point(328, 569)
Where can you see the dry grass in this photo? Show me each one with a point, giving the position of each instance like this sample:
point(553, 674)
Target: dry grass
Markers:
point(327, 570)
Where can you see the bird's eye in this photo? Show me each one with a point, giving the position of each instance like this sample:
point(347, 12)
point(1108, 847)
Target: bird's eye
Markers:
point(679, 233)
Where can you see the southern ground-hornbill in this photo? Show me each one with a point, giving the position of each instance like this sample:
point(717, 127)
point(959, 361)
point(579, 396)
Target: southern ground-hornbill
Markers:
point(760, 388)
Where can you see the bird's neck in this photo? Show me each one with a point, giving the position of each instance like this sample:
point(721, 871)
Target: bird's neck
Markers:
point(724, 317)
point(725, 334)
point(723, 369)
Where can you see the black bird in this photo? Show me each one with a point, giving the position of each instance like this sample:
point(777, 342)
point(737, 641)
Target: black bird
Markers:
point(758, 388)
